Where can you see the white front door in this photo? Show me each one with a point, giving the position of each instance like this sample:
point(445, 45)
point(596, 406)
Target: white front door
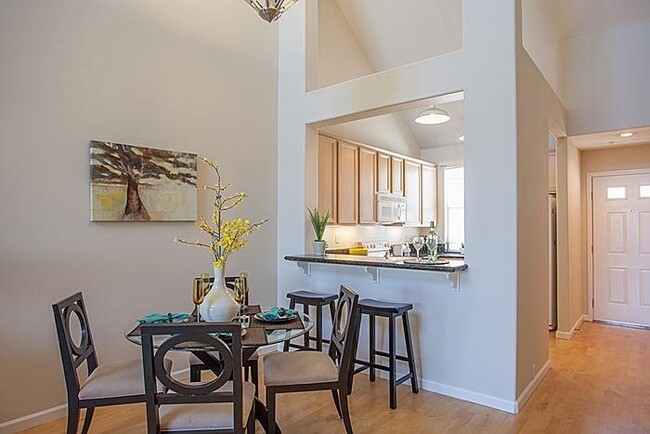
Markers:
point(621, 267)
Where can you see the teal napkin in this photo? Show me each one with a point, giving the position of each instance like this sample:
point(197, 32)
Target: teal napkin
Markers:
point(154, 318)
point(277, 313)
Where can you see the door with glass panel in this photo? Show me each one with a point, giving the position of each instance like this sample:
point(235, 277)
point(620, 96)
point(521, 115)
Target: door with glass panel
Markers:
point(621, 248)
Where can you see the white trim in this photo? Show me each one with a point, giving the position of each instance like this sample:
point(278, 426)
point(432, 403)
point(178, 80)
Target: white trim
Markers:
point(532, 386)
point(33, 419)
point(457, 393)
point(568, 335)
point(590, 229)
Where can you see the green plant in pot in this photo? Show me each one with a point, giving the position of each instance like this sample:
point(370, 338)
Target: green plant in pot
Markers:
point(319, 222)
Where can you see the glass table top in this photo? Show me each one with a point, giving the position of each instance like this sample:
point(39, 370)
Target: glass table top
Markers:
point(250, 338)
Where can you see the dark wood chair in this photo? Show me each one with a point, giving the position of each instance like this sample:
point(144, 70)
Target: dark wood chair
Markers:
point(108, 384)
point(308, 298)
point(251, 369)
point(222, 405)
point(303, 371)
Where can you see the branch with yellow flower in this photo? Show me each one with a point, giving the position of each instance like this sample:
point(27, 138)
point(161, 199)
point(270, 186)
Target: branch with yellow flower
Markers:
point(226, 237)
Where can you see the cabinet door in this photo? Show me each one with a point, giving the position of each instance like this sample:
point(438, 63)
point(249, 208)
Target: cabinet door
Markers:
point(383, 173)
point(412, 183)
point(327, 176)
point(367, 185)
point(348, 183)
point(397, 175)
point(429, 190)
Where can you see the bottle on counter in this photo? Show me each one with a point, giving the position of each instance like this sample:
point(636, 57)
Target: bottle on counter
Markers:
point(432, 242)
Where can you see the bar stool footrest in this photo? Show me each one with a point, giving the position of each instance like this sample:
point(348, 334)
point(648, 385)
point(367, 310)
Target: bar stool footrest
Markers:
point(385, 354)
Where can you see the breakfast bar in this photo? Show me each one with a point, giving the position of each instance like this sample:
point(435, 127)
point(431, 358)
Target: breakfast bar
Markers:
point(372, 265)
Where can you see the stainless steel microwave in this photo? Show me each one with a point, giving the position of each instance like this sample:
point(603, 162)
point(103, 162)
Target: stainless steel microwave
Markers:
point(391, 209)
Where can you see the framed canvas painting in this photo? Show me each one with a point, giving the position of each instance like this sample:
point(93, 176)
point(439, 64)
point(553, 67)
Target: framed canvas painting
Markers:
point(135, 183)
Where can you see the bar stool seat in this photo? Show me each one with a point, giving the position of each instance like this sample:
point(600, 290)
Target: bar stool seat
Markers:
point(312, 297)
point(391, 310)
point(379, 307)
point(318, 300)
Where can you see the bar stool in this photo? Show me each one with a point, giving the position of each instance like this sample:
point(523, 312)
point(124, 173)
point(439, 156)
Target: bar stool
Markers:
point(308, 298)
point(375, 308)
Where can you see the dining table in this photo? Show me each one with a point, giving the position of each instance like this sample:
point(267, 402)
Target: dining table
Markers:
point(257, 335)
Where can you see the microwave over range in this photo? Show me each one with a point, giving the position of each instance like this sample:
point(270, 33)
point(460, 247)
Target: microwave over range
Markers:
point(391, 209)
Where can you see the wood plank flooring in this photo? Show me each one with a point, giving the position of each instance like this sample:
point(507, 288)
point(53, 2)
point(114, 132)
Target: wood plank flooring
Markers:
point(599, 382)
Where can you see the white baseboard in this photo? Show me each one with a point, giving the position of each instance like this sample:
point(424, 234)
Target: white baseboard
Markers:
point(50, 414)
point(458, 393)
point(568, 335)
point(31, 420)
point(528, 391)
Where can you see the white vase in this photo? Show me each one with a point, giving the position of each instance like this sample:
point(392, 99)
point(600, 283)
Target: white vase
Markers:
point(219, 304)
point(319, 248)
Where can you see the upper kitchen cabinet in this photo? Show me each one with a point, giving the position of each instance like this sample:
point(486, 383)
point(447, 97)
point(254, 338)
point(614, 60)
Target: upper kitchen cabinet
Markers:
point(429, 190)
point(397, 175)
point(327, 150)
point(383, 173)
point(348, 183)
point(367, 185)
point(412, 184)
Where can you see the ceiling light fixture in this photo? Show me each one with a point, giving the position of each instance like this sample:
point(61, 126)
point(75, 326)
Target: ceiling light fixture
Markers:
point(626, 135)
point(461, 138)
point(270, 10)
point(433, 116)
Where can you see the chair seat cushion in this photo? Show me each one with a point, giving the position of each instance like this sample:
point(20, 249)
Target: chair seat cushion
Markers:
point(314, 297)
point(372, 305)
point(299, 367)
point(124, 378)
point(208, 416)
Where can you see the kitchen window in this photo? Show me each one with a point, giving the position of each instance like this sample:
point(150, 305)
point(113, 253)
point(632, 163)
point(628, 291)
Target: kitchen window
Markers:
point(454, 206)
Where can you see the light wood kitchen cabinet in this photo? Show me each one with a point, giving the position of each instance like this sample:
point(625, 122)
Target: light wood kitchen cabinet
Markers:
point(327, 176)
point(383, 173)
point(429, 193)
point(348, 183)
point(367, 185)
point(397, 175)
point(412, 184)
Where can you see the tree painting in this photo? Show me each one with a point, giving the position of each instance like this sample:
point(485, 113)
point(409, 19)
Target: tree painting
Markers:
point(137, 183)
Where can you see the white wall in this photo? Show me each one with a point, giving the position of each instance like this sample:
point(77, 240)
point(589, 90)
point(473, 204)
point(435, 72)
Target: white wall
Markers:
point(605, 79)
point(451, 154)
point(168, 74)
point(341, 58)
point(466, 341)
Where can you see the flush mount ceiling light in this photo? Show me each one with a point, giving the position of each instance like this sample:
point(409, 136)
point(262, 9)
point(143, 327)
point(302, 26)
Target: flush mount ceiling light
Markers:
point(461, 138)
point(626, 135)
point(433, 116)
point(270, 10)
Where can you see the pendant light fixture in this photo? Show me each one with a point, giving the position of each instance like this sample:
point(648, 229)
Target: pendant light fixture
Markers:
point(433, 116)
point(270, 10)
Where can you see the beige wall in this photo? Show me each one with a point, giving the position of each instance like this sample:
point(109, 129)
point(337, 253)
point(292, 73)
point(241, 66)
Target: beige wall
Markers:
point(537, 108)
point(604, 160)
point(179, 75)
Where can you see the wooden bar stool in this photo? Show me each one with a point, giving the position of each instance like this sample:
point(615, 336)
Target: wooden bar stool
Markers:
point(308, 298)
point(375, 308)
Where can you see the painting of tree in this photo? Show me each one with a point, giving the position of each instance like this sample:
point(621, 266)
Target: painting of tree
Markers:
point(138, 183)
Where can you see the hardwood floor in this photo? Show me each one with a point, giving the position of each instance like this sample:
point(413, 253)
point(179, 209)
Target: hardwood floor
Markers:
point(599, 382)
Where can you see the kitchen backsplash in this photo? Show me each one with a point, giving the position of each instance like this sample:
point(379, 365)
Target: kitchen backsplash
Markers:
point(347, 236)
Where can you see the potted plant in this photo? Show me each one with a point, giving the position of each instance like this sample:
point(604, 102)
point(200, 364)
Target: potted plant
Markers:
point(318, 222)
point(224, 238)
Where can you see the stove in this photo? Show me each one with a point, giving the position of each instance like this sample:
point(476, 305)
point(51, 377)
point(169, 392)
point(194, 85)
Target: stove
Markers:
point(377, 248)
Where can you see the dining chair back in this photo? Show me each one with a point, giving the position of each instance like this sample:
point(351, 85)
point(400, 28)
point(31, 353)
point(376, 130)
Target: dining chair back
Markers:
point(345, 332)
point(210, 340)
point(74, 354)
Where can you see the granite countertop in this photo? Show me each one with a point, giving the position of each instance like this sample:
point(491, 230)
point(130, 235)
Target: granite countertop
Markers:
point(454, 265)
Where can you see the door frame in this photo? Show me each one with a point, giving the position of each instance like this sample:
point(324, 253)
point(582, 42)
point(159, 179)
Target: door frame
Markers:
point(590, 228)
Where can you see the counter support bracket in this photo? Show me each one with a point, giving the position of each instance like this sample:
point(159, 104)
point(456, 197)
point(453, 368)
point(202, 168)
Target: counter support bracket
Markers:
point(305, 267)
point(454, 279)
point(374, 273)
